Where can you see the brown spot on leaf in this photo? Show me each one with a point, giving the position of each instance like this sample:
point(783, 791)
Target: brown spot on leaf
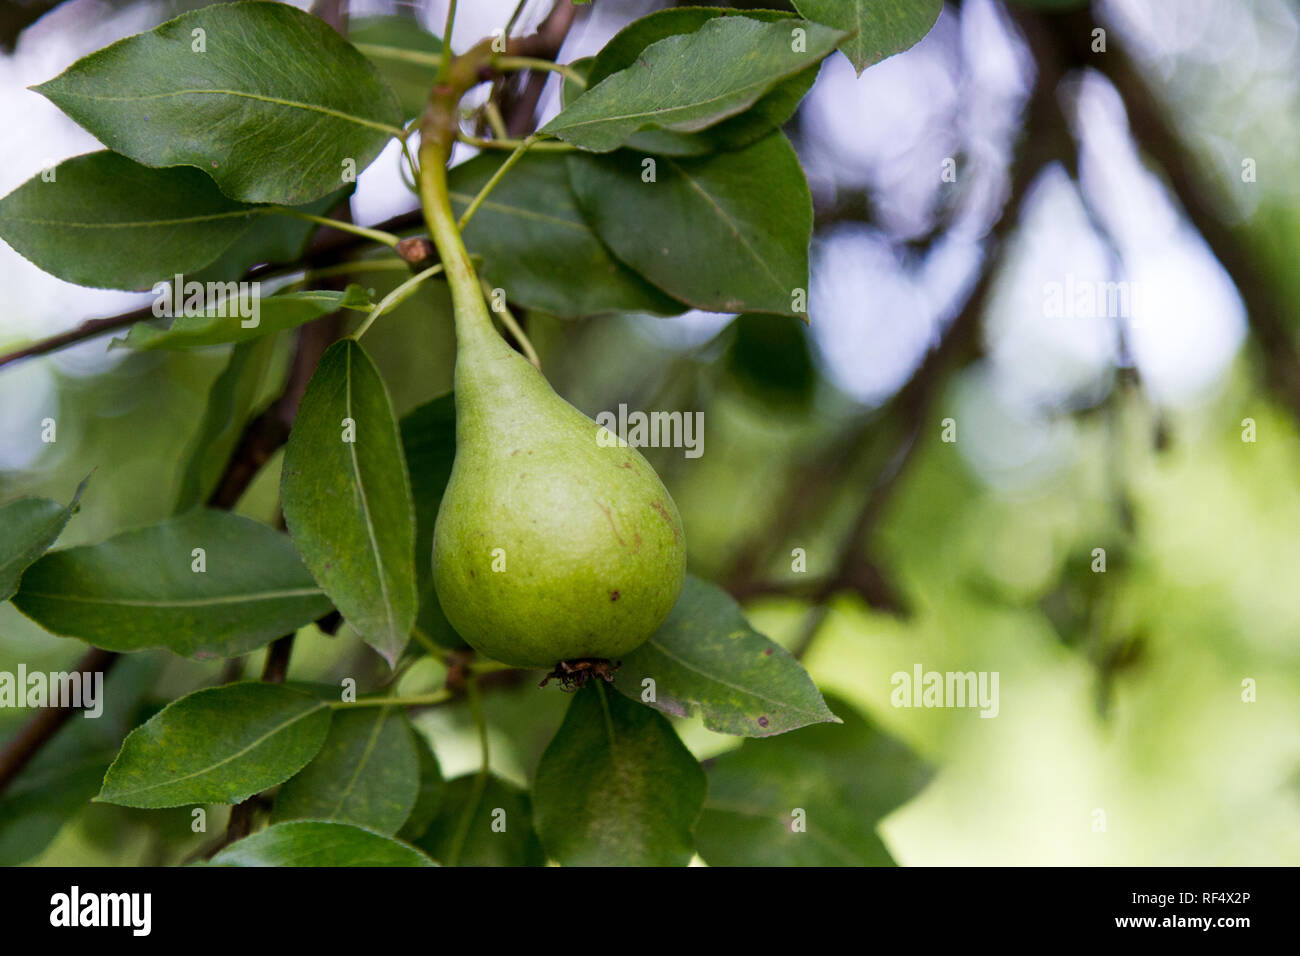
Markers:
point(767, 652)
point(762, 721)
point(613, 595)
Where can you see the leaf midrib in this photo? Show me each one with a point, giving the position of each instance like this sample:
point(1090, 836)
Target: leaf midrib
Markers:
point(135, 224)
point(654, 115)
point(361, 763)
point(275, 100)
point(521, 211)
point(180, 602)
point(739, 233)
point(365, 505)
point(736, 687)
point(319, 705)
point(616, 765)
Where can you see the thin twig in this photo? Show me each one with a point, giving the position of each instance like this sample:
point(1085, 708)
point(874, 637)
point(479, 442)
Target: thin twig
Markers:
point(1270, 315)
point(329, 248)
point(266, 433)
point(1044, 138)
point(41, 728)
point(544, 44)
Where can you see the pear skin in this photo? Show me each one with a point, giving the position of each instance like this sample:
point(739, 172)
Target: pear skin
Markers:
point(549, 546)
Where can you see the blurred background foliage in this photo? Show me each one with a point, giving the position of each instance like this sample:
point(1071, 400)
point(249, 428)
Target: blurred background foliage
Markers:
point(1119, 691)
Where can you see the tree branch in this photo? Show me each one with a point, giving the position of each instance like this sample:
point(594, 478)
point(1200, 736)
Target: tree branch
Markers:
point(47, 722)
point(545, 45)
point(1153, 129)
point(261, 437)
point(274, 671)
point(1045, 138)
point(330, 247)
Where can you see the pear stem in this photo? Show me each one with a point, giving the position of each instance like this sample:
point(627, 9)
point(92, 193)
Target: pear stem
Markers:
point(471, 311)
point(438, 129)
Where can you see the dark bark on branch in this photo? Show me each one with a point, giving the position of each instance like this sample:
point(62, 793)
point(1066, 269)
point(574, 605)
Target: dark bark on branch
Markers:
point(1152, 127)
point(242, 814)
point(329, 247)
point(47, 722)
point(313, 340)
point(266, 433)
point(1045, 138)
point(259, 441)
point(545, 44)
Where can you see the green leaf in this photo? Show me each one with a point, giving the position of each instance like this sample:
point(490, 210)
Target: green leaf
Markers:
point(230, 402)
point(28, 527)
point(770, 111)
point(880, 28)
point(726, 233)
point(429, 443)
point(842, 778)
point(218, 745)
point(429, 796)
point(628, 43)
point(399, 48)
point(224, 322)
point(534, 242)
point(367, 773)
point(104, 220)
point(347, 499)
point(271, 239)
point(769, 358)
point(570, 89)
point(688, 82)
point(706, 659)
point(139, 589)
point(483, 822)
point(273, 108)
point(108, 222)
point(616, 786)
point(38, 803)
point(313, 843)
point(67, 772)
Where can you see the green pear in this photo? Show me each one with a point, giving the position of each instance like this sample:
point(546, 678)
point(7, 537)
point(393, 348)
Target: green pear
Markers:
point(550, 545)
